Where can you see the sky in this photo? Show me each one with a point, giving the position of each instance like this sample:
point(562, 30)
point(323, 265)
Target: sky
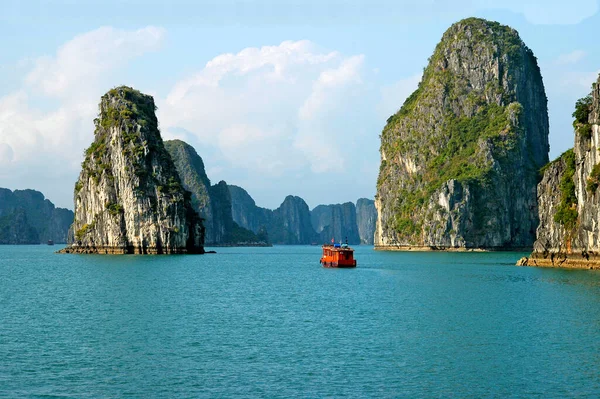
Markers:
point(278, 97)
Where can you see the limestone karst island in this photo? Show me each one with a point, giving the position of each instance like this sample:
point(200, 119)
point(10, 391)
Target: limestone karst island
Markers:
point(460, 159)
point(568, 197)
point(138, 194)
point(129, 197)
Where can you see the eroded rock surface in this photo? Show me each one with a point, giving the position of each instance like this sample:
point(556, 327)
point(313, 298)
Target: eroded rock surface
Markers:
point(568, 197)
point(460, 159)
point(129, 197)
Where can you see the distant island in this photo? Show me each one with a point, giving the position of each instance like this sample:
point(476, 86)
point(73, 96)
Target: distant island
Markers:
point(212, 202)
point(293, 223)
point(26, 217)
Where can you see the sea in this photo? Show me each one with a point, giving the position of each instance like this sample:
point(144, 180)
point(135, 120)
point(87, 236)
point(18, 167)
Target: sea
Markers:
point(273, 323)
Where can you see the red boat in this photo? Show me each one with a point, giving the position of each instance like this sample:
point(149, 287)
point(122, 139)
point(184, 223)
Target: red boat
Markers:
point(337, 255)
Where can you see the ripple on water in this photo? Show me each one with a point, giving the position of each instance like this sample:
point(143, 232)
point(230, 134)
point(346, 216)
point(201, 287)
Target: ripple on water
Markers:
point(270, 322)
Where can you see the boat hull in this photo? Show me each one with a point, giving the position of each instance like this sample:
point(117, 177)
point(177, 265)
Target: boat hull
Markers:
point(338, 265)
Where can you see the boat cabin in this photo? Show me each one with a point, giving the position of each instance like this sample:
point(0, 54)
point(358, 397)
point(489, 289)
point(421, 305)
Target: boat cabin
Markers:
point(337, 255)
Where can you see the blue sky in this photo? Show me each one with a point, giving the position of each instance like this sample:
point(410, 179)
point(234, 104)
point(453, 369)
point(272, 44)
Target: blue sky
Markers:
point(278, 97)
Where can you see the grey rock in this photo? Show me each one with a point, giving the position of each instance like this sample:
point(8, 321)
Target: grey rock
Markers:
point(213, 203)
point(129, 197)
point(336, 222)
point(291, 224)
point(366, 219)
point(460, 159)
point(245, 212)
point(572, 242)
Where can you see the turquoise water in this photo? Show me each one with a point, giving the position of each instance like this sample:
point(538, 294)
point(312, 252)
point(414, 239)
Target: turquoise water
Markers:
point(270, 322)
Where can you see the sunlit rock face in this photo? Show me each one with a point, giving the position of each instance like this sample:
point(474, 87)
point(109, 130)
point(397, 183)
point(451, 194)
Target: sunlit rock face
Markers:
point(129, 197)
point(568, 197)
point(460, 159)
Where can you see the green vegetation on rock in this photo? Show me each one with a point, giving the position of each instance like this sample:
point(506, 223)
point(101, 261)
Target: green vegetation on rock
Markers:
point(583, 108)
point(479, 119)
point(593, 179)
point(566, 213)
point(114, 209)
point(130, 111)
point(457, 149)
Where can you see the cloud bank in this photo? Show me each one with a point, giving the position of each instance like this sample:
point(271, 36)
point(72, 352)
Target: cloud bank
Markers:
point(46, 124)
point(278, 112)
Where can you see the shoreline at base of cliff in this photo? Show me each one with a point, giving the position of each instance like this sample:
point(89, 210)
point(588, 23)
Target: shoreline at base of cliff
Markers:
point(567, 261)
point(250, 244)
point(414, 248)
point(109, 250)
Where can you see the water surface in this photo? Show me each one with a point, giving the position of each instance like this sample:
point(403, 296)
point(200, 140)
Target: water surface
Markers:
point(270, 322)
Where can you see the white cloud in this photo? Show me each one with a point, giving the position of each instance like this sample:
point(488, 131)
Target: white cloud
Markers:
point(347, 73)
point(268, 109)
point(85, 58)
point(570, 58)
point(263, 113)
point(41, 146)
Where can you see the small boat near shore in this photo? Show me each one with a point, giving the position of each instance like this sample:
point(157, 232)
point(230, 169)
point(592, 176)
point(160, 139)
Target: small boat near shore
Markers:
point(338, 255)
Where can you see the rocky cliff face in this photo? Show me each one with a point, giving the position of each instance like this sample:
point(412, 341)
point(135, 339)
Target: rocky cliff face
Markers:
point(129, 197)
point(15, 229)
point(245, 212)
point(290, 223)
point(213, 203)
point(366, 218)
point(336, 221)
point(568, 197)
point(26, 217)
point(460, 159)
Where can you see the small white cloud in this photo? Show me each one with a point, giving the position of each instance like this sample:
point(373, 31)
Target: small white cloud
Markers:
point(83, 59)
point(570, 58)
